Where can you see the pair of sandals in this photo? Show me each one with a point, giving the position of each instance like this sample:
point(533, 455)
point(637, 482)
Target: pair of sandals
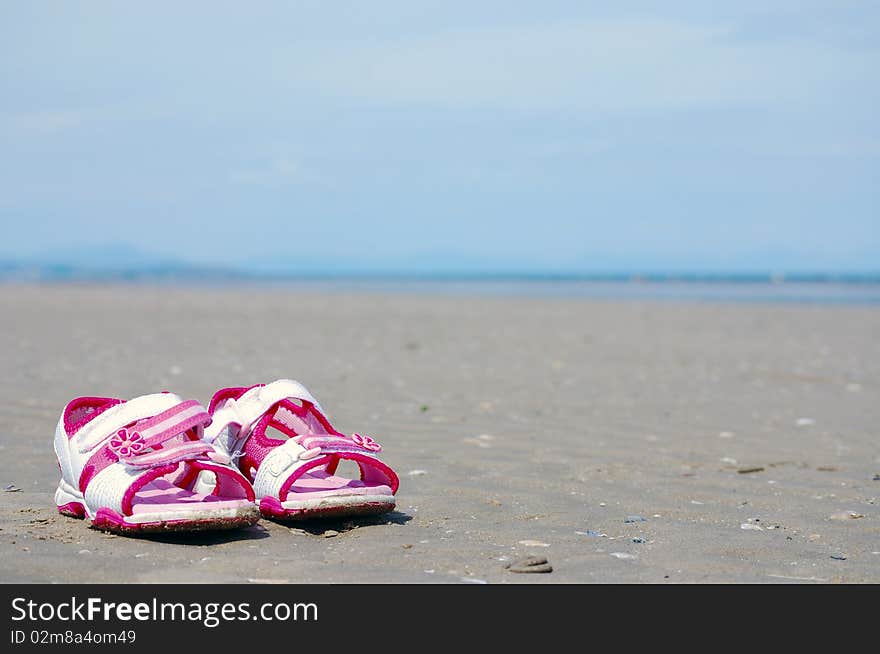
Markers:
point(159, 463)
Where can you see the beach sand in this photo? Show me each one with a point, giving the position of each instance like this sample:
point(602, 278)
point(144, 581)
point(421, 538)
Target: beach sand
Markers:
point(518, 427)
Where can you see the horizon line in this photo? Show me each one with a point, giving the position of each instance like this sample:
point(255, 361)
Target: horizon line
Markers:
point(20, 271)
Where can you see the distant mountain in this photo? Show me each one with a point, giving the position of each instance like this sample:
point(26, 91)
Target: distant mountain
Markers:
point(420, 264)
point(108, 262)
point(126, 262)
point(104, 256)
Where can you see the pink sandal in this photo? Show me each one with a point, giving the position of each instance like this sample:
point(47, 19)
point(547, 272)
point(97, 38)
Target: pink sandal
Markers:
point(294, 474)
point(141, 466)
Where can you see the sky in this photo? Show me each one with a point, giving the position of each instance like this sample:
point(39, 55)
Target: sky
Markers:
point(444, 136)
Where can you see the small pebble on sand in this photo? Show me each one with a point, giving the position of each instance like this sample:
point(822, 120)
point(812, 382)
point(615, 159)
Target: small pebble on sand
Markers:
point(530, 564)
point(330, 533)
point(483, 440)
point(839, 556)
point(847, 515)
point(622, 555)
point(533, 543)
point(748, 525)
point(416, 473)
point(805, 422)
point(11, 488)
point(635, 518)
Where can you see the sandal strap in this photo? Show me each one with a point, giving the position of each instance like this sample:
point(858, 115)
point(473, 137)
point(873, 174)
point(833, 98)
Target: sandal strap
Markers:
point(224, 476)
point(255, 402)
point(277, 466)
point(115, 486)
point(175, 420)
point(132, 445)
point(101, 427)
point(283, 464)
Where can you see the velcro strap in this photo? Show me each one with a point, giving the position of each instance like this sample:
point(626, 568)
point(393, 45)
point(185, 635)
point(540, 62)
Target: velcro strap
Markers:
point(260, 399)
point(102, 427)
point(175, 420)
point(277, 466)
point(334, 444)
point(301, 452)
point(182, 452)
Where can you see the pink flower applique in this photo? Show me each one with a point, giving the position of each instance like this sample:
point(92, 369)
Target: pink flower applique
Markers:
point(366, 442)
point(126, 444)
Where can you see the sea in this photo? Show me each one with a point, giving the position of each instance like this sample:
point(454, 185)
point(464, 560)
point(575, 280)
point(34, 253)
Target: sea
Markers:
point(823, 288)
point(715, 290)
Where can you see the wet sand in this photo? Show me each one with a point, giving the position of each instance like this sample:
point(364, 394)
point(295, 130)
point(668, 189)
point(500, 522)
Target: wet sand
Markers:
point(623, 441)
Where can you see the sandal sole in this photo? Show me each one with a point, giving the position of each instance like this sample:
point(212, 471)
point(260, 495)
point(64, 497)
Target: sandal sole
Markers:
point(271, 508)
point(110, 521)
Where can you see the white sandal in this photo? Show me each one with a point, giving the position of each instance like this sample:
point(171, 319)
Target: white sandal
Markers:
point(294, 476)
point(141, 466)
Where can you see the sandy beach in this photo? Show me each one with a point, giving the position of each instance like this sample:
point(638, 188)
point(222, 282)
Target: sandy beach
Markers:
point(624, 441)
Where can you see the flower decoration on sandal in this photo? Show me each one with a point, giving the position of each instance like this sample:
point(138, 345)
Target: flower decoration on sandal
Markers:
point(126, 444)
point(366, 442)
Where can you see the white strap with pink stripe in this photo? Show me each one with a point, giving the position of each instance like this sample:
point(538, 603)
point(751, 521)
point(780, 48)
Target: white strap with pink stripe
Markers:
point(255, 402)
point(95, 432)
point(232, 422)
point(136, 445)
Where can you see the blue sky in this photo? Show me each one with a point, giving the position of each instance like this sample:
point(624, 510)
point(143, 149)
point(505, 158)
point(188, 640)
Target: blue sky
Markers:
point(559, 136)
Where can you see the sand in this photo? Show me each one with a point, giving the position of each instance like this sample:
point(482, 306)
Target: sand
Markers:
point(518, 426)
